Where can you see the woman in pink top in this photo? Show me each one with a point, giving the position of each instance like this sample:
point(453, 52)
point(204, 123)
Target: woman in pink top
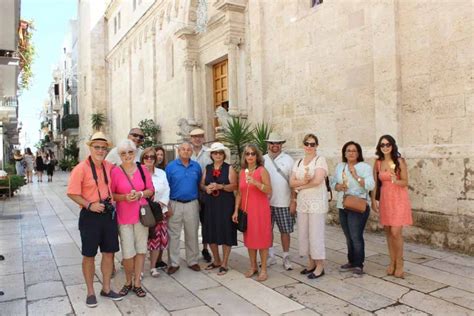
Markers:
point(129, 192)
point(390, 170)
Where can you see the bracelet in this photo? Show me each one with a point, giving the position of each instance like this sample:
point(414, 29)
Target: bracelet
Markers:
point(262, 187)
point(143, 194)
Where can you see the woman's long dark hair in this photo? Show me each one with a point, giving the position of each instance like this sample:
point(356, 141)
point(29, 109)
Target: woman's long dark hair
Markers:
point(161, 165)
point(259, 160)
point(394, 154)
point(28, 151)
point(359, 151)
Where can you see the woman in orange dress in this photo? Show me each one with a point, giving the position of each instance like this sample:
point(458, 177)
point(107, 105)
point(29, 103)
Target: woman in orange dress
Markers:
point(252, 197)
point(394, 206)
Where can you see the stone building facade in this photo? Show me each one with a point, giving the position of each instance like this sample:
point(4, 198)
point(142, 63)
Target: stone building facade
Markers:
point(344, 70)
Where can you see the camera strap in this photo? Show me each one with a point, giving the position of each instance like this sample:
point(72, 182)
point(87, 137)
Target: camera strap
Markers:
point(94, 175)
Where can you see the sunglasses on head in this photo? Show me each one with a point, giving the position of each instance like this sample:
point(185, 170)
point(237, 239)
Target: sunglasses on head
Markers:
point(250, 153)
point(146, 157)
point(388, 145)
point(139, 136)
point(310, 144)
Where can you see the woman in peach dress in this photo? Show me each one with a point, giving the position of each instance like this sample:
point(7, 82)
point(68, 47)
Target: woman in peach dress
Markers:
point(394, 206)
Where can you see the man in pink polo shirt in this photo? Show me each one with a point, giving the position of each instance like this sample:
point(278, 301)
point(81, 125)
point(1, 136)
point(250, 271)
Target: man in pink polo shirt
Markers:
point(89, 187)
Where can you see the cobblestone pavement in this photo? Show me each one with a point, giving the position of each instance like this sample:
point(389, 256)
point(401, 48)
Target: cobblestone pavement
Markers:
point(42, 274)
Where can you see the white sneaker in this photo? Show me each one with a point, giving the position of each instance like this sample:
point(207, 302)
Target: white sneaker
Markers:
point(154, 272)
point(287, 263)
point(271, 261)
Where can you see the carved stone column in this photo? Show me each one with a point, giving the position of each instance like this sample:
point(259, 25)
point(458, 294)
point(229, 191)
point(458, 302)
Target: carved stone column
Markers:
point(233, 82)
point(189, 91)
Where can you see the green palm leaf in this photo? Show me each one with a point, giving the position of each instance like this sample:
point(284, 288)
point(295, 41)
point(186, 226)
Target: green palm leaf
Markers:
point(261, 133)
point(238, 134)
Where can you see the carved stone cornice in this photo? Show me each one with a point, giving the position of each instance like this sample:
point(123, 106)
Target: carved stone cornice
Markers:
point(231, 5)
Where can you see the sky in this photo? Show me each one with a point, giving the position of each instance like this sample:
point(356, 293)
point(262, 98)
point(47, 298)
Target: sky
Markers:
point(51, 19)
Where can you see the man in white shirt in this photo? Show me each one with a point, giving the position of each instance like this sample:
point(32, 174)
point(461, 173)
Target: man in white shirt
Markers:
point(135, 135)
point(282, 200)
point(202, 157)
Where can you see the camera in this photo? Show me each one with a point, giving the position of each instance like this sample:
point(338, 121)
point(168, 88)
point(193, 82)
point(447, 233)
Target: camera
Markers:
point(108, 206)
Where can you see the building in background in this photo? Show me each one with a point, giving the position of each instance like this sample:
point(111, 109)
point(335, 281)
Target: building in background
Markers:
point(350, 70)
point(10, 31)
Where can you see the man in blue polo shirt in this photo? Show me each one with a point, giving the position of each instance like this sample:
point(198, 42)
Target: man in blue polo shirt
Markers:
point(184, 176)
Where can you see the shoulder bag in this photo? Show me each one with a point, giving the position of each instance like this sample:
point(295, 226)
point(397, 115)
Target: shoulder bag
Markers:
point(146, 215)
point(354, 203)
point(242, 215)
point(155, 206)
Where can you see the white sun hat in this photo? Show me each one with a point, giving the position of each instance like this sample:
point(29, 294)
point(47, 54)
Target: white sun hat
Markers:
point(218, 147)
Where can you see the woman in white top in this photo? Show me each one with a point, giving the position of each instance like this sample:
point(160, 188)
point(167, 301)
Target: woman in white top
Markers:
point(158, 236)
point(308, 179)
point(29, 160)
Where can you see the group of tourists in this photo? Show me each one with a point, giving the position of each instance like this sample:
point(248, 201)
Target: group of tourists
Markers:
point(201, 186)
point(27, 163)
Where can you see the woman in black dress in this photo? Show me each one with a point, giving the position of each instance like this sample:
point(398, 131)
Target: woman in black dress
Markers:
point(50, 164)
point(40, 167)
point(219, 181)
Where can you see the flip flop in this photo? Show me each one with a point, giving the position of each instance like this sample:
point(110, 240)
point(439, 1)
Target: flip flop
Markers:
point(222, 271)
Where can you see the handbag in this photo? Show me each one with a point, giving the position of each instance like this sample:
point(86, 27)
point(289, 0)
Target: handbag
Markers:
point(146, 214)
point(155, 206)
point(242, 215)
point(354, 203)
point(379, 183)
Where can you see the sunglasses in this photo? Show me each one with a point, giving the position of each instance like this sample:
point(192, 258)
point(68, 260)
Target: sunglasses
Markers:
point(388, 145)
point(309, 144)
point(218, 152)
point(146, 157)
point(275, 143)
point(351, 151)
point(103, 148)
point(124, 153)
point(250, 154)
point(139, 136)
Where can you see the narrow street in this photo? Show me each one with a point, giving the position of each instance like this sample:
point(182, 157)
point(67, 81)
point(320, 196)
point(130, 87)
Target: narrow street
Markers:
point(42, 274)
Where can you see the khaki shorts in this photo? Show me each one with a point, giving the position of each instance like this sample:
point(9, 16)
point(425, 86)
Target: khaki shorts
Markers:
point(133, 239)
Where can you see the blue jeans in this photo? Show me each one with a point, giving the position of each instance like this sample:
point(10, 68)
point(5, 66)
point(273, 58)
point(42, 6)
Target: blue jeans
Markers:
point(353, 225)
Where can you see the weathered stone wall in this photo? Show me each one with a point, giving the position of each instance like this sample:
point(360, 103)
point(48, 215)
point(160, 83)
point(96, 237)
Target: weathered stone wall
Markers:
point(360, 69)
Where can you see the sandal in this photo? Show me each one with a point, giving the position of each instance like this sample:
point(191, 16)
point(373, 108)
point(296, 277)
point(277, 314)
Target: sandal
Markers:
point(262, 276)
point(139, 291)
point(222, 270)
point(250, 273)
point(212, 266)
point(125, 289)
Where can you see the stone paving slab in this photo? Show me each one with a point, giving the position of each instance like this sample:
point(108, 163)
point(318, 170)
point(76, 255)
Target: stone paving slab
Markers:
point(43, 249)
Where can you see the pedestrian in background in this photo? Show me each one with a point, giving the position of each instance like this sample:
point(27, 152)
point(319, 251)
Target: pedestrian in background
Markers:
point(201, 155)
point(39, 165)
point(353, 177)
point(130, 190)
point(184, 176)
point(18, 157)
point(308, 180)
point(29, 160)
point(283, 198)
point(89, 187)
point(158, 235)
point(252, 197)
point(394, 206)
point(219, 182)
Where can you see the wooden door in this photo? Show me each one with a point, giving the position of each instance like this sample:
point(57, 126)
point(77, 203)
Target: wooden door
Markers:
point(220, 79)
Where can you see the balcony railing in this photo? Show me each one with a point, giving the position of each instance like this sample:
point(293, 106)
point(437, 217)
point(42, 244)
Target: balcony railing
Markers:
point(70, 121)
point(11, 102)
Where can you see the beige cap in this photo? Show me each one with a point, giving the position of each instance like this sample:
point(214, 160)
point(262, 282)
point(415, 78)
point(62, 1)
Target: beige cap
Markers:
point(197, 131)
point(98, 137)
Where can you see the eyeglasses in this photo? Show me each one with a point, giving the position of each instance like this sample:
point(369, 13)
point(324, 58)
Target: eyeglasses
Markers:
point(383, 145)
point(250, 154)
point(124, 153)
point(146, 157)
point(218, 152)
point(309, 144)
point(275, 143)
point(103, 148)
point(139, 136)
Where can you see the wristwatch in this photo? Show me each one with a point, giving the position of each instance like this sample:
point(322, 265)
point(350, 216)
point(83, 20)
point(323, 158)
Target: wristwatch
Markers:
point(359, 179)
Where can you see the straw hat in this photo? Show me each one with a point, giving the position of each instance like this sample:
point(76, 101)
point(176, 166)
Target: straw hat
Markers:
point(274, 137)
point(99, 137)
point(218, 147)
point(196, 131)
